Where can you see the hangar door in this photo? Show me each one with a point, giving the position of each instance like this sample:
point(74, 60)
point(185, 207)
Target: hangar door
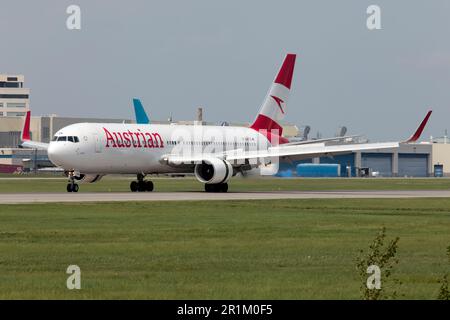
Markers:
point(413, 165)
point(344, 160)
point(381, 162)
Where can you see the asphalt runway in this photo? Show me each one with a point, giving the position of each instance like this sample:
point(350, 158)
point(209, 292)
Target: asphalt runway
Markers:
point(15, 198)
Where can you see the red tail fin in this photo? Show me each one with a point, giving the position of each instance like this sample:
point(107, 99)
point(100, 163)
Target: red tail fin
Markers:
point(26, 127)
point(286, 72)
point(273, 108)
point(419, 130)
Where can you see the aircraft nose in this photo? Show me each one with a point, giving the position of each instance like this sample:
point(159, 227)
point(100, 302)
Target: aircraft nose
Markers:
point(55, 154)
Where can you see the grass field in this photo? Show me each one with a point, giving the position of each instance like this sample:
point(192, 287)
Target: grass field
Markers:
point(116, 184)
point(284, 249)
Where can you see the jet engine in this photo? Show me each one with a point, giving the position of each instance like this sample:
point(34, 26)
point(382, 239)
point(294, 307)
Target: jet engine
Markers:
point(213, 171)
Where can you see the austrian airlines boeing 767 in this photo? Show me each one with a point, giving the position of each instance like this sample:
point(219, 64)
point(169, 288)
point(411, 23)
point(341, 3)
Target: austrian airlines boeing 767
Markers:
point(88, 151)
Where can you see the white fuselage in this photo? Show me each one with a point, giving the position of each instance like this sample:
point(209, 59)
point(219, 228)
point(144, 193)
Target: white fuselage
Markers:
point(105, 148)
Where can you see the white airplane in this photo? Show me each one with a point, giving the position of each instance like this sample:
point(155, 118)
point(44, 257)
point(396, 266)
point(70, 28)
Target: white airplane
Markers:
point(88, 151)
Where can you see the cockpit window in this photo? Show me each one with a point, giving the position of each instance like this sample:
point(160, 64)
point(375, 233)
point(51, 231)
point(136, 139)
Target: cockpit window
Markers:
point(73, 139)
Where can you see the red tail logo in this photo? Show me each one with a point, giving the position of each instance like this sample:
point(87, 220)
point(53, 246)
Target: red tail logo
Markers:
point(279, 102)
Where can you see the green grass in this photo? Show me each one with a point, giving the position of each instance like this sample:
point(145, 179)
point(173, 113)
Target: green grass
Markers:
point(121, 183)
point(283, 249)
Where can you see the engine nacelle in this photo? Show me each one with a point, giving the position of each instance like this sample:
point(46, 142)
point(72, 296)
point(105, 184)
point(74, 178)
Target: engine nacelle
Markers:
point(213, 171)
point(89, 178)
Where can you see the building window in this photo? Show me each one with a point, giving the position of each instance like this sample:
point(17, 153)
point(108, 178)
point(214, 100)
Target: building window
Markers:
point(45, 133)
point(15, 105)
point(13, 96)
point(15, 114)
point(11, 79)
point(11, 85)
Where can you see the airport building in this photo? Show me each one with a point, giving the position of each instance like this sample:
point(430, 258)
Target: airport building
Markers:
point(441, 157)
point(42, 128)
point(14, 98)
point(410, 160)
point(15, 160)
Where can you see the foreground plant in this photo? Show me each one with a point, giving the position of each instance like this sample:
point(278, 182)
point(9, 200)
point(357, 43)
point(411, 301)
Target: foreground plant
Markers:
point(444, 292)
point(379, 260)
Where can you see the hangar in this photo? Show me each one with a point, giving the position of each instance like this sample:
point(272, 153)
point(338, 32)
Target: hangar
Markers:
point(410, 160)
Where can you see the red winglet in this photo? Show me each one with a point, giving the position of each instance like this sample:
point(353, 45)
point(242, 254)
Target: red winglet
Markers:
point(26, 127)
point(284, 76)
point(419, 130)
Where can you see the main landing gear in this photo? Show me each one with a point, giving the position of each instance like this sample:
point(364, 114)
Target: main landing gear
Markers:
point(219, 187)
point(72, 186)
point(141, 185)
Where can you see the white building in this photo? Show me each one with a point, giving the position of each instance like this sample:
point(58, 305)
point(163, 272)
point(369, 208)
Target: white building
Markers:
point(14, 98)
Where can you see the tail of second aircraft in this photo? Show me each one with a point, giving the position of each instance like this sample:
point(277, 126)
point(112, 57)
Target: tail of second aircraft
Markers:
point(141, 115)
point(26, 136)
point(416, 135)
point(273, 108)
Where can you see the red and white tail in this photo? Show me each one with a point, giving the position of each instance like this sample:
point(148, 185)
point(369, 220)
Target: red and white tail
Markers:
point(26, 136)
point(273, 108)
point(26, 127)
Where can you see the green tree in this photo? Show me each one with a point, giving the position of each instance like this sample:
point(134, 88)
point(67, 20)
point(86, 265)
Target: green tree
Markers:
point(381, 253)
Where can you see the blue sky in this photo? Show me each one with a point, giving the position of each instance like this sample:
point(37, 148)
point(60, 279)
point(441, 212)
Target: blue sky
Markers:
point(223, 55)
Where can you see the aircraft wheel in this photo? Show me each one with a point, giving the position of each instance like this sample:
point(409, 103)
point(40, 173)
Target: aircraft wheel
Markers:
point(209, 187)
point(142, 186)
point(149, 186)
point(134, 186)
point(223, 187)
point(72, 187)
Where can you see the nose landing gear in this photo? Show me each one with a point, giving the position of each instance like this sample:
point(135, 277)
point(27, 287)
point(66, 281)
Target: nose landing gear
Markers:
point(72, 186)
point(141, 185)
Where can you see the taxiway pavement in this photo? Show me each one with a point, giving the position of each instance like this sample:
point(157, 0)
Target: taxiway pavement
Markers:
point(16, 198)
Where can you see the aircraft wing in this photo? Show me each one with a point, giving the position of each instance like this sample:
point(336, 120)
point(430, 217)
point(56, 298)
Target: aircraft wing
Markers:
point(34, 145)
point(291, 152)
point(294, 143)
